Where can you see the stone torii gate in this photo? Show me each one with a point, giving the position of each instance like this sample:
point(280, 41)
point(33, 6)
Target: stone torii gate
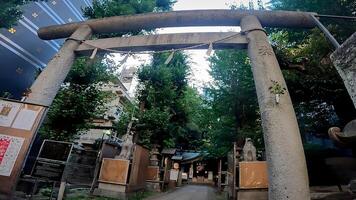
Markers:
point(288, 178)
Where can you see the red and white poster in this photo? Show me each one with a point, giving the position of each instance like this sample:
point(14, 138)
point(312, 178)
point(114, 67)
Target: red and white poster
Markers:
point(4, 144)
point(9, 150)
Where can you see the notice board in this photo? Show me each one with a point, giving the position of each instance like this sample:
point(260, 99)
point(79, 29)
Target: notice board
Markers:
point(114, 171)
point(253, 175)
point(19, 122)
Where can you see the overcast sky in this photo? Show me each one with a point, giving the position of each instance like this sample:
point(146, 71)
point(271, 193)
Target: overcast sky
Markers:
point(199, 63)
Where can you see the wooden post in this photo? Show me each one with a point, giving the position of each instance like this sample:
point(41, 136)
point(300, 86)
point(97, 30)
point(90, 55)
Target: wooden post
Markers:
point(219, 174)
point(235, 161)
point(98, 162)
point(287, 170)
point(62, 188)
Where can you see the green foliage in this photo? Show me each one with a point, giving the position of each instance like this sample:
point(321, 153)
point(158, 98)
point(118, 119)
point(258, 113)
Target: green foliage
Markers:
point(277, 88)
point(10, 12)
point(337, 7)
point(318, 93)
point(130, 110)
point(194, 107)
point(169, 108)
point(70, 111)
point(140, 195)
point(87, 72)
point(232, 103)
point(161, 88)
point(78, 101)
point(109, 8)
point(154, 128)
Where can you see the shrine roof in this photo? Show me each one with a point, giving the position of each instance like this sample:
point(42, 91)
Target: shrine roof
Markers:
point(169, 151)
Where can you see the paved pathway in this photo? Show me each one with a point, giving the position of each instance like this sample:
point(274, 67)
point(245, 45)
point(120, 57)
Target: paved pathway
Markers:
point(189, 192)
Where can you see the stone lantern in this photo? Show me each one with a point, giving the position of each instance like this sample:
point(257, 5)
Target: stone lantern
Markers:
point(154, 156)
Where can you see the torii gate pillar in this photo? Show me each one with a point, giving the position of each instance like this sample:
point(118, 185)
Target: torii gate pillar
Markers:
point(287, 170)
point(48, 83)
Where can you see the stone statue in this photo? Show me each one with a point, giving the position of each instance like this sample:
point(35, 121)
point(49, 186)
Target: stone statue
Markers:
point(127, 146)
point(249, 150)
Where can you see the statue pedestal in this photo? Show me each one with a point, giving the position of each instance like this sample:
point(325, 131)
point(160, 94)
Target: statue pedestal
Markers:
point(253, 175)
point(253, 180)
point(153, 186)
point(113, 178)
point(111, 191)
point(153, 179)
point(119, 177)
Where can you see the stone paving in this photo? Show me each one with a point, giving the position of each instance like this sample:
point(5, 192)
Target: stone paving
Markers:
point(189, 192)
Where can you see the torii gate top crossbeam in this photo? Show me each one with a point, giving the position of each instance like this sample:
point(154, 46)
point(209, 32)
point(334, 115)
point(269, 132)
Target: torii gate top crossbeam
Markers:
point(119, 24)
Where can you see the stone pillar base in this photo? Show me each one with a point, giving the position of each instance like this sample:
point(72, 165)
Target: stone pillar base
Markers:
point(252, 194)
point(153, 187)
point(111, 191)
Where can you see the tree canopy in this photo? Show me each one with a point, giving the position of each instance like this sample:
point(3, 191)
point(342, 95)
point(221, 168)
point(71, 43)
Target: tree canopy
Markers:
point(318, 93)
point(231, 103)
point(173, 114)
point(108, 8)
point(80, 99)
point(167, 103)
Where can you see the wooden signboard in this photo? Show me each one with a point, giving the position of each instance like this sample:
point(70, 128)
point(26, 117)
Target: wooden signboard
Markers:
point(152, 173)
point(253, 175)
point(18, 123)
point(114, 171)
